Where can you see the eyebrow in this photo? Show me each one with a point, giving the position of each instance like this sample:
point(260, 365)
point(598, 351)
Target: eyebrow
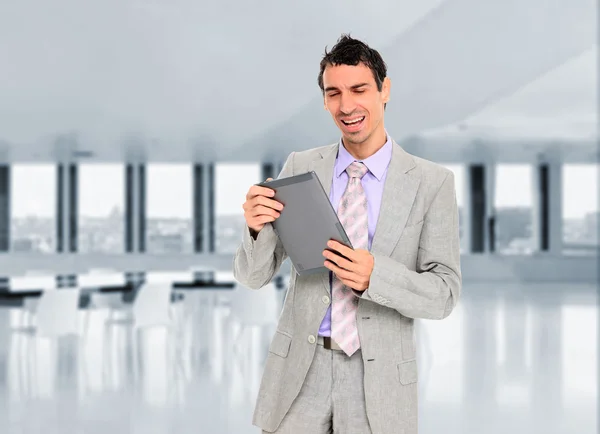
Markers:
point(356, 86)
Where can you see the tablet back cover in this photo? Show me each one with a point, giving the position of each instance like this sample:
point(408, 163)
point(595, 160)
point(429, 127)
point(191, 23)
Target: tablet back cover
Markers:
point(307, 222)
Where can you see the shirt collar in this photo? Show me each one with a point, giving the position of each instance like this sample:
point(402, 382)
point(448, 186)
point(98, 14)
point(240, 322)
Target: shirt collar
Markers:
point(376, 163)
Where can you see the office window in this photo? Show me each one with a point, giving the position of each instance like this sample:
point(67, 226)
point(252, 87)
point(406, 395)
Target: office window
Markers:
point(513, 209)
point(232, 182)
point(33, 208)
point(459, 184)
point(580, 208)
point(101, 208)
point(169, 215)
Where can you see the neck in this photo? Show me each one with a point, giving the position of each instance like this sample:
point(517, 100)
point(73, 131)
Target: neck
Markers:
point(364, 150)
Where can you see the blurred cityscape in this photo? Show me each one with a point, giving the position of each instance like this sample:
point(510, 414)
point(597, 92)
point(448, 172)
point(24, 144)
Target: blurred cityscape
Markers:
point(102, 235)
point(175, 235)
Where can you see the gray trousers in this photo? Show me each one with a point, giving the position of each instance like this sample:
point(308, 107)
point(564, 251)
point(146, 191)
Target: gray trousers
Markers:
point(332, 398)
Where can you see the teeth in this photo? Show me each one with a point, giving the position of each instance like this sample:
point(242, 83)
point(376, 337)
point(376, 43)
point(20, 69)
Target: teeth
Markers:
point(354, 121)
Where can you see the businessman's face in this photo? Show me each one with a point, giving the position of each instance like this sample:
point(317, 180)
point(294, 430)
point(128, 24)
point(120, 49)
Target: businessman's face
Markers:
point(355, 103)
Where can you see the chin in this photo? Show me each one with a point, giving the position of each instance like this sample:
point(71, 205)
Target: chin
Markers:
point(358, 137)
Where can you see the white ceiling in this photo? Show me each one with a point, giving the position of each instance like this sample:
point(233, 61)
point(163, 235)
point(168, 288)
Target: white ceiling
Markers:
point(237, 79)
point(561, 104)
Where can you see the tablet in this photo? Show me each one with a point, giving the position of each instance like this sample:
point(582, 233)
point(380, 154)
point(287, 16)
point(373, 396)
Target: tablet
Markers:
point(307, 222)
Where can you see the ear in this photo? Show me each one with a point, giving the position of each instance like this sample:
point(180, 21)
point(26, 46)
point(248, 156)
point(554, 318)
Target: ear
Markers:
point(385, 89)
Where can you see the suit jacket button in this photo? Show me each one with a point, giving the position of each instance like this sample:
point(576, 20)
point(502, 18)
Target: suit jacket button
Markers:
point(312, 339)
point(325, 299)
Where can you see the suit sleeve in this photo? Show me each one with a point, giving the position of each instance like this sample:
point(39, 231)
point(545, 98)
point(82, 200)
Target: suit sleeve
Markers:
point(256, 261)
point(432, 291)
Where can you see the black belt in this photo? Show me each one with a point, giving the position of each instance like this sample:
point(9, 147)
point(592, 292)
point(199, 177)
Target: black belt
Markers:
point(328, 343)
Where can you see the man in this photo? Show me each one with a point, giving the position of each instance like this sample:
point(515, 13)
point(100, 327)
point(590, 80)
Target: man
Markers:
point(343, 358)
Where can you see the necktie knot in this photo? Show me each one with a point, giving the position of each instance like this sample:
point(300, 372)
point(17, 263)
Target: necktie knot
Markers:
point(357, 170)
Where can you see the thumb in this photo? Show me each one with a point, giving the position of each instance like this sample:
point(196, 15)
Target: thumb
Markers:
point(269, 179)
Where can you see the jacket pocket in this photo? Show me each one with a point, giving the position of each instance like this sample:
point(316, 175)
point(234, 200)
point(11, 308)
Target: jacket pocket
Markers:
point(407, 372)
point(280, 344)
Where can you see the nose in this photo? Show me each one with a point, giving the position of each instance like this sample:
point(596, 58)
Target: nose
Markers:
point(347, 103)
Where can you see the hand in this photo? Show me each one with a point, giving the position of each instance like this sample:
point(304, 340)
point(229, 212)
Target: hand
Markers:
point(259, 208)
point(354, 272)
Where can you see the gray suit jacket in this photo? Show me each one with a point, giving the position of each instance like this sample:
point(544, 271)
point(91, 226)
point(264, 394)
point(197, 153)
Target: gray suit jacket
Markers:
point(416, 275)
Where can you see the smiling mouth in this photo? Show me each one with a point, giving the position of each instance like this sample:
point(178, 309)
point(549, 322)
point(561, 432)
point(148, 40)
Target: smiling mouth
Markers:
point(352, 122)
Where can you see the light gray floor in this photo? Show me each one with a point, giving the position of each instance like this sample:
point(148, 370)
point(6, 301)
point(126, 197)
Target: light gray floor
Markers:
point(518, 359)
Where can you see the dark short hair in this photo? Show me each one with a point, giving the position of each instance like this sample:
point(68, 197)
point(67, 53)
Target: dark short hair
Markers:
point(350, 51)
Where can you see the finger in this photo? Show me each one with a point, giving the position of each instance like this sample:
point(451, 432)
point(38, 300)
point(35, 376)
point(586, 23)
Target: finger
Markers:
point(266, 218)
point(342, 249)
point(257, 201)
point(352, 263)
point(261, 219)
point(265, 201)
point(257, 190)
point(264, 210)
point(340, 261)
point(351, 284)
point(341, 273)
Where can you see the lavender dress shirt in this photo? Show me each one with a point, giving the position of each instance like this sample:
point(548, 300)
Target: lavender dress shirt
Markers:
point(372, 182)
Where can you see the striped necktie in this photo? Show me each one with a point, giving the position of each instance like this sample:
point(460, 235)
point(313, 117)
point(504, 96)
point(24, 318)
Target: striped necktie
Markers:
point(352, 213)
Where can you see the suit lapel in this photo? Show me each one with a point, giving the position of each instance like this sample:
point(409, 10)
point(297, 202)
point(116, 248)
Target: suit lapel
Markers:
point(399, 192)
point(323, 167)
